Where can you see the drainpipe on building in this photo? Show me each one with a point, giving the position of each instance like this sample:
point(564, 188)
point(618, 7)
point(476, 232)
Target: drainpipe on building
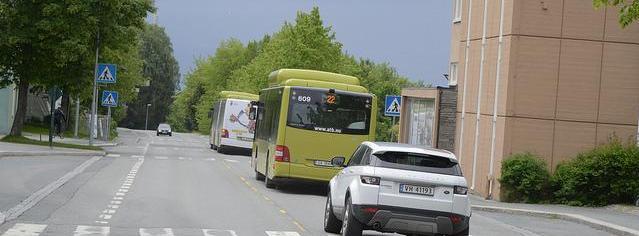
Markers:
point(463, 113)
point(481, 78)
point(491, 172)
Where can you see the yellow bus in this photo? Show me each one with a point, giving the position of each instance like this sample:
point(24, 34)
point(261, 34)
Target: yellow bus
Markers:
point(305, 118)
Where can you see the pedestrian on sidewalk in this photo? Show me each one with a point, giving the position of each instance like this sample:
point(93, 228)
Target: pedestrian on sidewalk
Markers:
point(58, 117)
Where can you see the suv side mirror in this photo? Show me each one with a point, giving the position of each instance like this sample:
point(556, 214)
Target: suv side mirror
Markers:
point(338, 161)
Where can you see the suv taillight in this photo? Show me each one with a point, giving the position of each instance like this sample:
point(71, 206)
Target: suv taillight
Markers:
point(224, 133)
point(370, 180)
point(460, 190)
point(282, 154)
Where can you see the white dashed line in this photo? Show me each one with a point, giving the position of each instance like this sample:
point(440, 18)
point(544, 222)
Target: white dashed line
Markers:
point(113, 155)
point(161, 158)
point(214, 232)
point(210, 159)
point(234, 161)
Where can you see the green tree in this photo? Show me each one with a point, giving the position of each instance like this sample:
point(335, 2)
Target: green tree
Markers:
point(306, 44)
point(47, 43)
point(628, 9)
point(183, 109)
point(161, 67)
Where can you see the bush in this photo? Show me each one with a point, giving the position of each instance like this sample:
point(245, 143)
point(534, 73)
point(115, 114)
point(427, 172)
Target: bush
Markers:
point(609, 174)
point(524, 178)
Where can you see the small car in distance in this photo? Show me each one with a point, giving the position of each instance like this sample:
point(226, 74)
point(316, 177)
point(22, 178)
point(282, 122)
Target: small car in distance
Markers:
point(164, 129)
point(400, 188)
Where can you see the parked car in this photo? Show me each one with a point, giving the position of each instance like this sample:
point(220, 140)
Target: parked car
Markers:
point(391, 187)
point(164, 129)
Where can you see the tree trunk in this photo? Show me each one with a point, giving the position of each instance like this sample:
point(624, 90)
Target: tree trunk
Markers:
point(65, 107)
point(21, 112)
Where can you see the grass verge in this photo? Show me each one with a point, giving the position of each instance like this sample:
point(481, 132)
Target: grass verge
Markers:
point(23, 140)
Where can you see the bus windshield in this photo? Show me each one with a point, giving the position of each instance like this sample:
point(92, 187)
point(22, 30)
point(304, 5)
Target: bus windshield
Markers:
point(323, 111)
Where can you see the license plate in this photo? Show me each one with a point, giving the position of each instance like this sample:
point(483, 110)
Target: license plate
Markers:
point(422, 190)
point(322, 163)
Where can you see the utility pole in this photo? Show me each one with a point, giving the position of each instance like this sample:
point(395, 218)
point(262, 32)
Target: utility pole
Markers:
point(77, 116)
point(93, 118)
point(146, 120)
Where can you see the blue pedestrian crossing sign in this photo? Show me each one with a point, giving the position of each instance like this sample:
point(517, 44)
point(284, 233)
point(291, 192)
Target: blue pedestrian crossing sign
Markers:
point(107, 73)
point(109, 98)
point(393, 105)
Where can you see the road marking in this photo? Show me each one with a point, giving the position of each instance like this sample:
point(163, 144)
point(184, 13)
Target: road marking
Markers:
point(156, 232)
point(83, 230)
point(113, 206)
point(210, 159)
point(161, 158)
point(20, 229)
point(105, 216)
point(513, 228)
point(282, 211)
point(230, 160)
point(113, 155)
point(217, 232)
point(43, 192)
point(282, 233)
point(136, 156)
point(181, 158)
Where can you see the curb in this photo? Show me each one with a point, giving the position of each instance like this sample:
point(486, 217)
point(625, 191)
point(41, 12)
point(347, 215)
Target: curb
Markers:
point(37, 196)
point(579, 219)
point(50, 153)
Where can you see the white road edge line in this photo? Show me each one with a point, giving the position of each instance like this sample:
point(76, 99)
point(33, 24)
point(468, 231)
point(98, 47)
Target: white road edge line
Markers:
point(37, 196)
point(513, 228)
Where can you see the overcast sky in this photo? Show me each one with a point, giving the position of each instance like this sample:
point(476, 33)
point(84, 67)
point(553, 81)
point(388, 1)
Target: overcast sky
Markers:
point(412, 35)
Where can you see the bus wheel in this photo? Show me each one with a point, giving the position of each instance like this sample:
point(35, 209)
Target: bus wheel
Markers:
point(258, 176)
point(213, 147)
point(220, 149)
point(269, 182)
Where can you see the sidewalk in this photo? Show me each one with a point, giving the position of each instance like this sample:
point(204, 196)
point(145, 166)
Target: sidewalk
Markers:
point(15, 149)
point(605, 218)
point(69, 140)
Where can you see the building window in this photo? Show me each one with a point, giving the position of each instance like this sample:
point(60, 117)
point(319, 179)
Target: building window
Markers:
point(457, 11)
point(452, 77)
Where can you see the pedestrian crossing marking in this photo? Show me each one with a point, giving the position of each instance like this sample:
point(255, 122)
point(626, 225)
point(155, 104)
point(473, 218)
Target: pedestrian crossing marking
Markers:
point(20, 229)
point(156, 232)
point(27, 229)
point(84, 230)
point(282, 233)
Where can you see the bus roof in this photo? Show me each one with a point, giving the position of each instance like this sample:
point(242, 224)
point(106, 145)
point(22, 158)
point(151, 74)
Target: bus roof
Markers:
point(314, 78)
point(239, 95)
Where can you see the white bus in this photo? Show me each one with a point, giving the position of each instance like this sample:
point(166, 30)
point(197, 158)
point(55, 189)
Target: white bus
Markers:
point(230, 124)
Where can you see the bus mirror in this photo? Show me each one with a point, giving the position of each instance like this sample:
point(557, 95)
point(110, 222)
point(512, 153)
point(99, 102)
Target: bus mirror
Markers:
point(338, 161)
point(252, 113)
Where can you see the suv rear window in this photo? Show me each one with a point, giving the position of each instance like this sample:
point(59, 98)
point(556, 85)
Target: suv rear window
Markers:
point(418, 162)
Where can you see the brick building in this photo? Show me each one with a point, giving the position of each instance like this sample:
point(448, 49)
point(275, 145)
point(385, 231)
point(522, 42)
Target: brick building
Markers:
point(564, 79)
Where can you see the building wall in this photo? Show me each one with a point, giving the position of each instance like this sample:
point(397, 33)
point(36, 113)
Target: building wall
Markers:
point(568, 82)
point(8, 106)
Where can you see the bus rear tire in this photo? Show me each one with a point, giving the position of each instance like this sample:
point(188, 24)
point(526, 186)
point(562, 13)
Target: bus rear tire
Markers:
point(259, 176)
point(220, 149)
point(269, 183)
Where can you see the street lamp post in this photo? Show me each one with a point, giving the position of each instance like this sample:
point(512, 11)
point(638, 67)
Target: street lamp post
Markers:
point(146, 121)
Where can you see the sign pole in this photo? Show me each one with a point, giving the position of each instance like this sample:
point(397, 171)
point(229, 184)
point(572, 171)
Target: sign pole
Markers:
point(108, 125)
point(95, 90)
point(392, 130)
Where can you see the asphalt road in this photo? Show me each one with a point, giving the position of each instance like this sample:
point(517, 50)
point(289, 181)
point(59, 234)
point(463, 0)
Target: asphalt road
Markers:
point(152, 185)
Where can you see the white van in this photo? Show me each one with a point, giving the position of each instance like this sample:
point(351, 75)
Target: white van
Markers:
point(230, 124)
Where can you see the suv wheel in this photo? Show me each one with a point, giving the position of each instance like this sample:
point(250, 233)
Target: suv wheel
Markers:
point(331, 223)
point(350, 225)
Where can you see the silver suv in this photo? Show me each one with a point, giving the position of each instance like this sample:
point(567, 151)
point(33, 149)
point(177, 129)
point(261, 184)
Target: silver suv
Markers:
point(400, 188)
